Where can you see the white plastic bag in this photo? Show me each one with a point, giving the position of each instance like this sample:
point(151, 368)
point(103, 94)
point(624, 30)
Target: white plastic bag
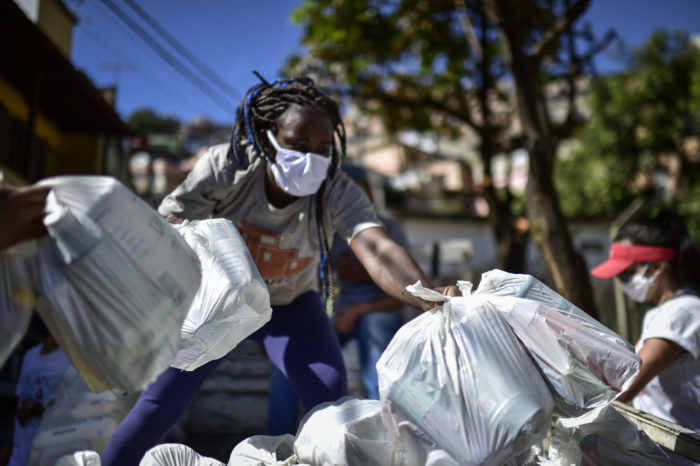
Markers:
point(603, 437)
point(585, 364)
point(500, 283)
point(16, 298)
point(346, 433)
point(459, 374)
point(176, 454)
point(264, 450)
point(77, 420)
point(114, 280)
point(80, 458)
point(232, 301)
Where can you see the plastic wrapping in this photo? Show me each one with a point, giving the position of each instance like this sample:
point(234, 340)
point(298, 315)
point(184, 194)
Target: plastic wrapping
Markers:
point(264, 450)
point(232, 301)
point(603, 437)
point(80, 458)
point(459, 374)
point(77, 419)
point(585, 364)
point(16, 298)
point(114, 280)
point(500, 283)
point(346, 433)
point(175, 454)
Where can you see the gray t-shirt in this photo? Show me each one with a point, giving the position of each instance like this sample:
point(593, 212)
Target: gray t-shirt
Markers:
point(284, 242)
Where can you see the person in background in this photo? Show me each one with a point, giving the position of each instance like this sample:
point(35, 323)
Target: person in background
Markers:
point(43, 366)
point(21, 213)
point(363, 311)
point(655, 260)
point(277, 181)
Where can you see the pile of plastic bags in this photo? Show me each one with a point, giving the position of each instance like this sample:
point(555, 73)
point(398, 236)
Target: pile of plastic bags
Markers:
point(478, 380)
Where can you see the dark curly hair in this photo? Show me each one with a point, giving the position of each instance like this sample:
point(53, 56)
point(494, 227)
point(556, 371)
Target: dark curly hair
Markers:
point(667, 229)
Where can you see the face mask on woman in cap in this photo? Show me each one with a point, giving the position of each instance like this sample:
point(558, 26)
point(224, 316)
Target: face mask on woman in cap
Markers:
point(638, 285)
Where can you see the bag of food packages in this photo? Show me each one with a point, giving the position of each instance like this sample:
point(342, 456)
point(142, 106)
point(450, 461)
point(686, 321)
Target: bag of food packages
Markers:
point(77, 419)
point(459, 374)
point(16, 299)
point(603, 437)
point(585, 364)
point(114, 282)
point(232, 301)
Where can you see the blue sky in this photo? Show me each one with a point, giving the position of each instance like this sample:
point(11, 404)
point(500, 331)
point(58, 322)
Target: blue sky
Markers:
point(234, 37)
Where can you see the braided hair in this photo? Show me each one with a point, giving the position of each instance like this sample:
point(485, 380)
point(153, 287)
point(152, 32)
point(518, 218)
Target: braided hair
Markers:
point(259, 110)
point(265, 102)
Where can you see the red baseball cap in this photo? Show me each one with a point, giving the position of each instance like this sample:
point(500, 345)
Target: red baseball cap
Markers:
point(622, 256)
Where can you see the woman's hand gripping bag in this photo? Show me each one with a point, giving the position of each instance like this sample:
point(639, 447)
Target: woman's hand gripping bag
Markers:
point(232, 301)
point(114, 282)
point(459, 375)
point(585, 363)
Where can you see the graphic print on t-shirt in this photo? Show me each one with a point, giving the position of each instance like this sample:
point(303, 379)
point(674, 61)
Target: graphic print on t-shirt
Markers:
point(272, 261)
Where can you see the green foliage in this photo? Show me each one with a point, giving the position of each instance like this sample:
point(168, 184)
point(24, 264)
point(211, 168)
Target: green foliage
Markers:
point(146, 121)
point(408, 61)
point(642, 127)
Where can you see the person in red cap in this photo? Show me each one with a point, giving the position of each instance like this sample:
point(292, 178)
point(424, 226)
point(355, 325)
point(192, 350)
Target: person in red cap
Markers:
point(655, 261)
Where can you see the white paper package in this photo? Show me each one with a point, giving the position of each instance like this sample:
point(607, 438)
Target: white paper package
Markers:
point(114, 282)
point(585, 364)
point(459, 374)
point(232, 301)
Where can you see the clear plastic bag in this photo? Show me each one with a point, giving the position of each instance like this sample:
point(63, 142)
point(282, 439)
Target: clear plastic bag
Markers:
point(459, 374)
point(346, 433)
point(114, 282)
point(264, 450)
point(16, 298)
point(603, 437)
point(232, 301)
point(77, 420)
point(175, 454)
point(585, 364)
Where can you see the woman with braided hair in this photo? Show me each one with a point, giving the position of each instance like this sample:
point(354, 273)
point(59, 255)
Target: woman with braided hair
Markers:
point(278, 182)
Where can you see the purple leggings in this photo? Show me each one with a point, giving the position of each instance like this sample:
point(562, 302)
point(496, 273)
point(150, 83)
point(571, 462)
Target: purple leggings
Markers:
point(298, 339)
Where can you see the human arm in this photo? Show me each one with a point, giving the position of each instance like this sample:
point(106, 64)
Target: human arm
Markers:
point(346, 317)
point(656, 355)
point(391, 267)
point(21, 213)
point(198, 195)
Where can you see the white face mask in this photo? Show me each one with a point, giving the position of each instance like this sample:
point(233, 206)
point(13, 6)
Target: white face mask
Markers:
point(297, 173)
point(637, 287)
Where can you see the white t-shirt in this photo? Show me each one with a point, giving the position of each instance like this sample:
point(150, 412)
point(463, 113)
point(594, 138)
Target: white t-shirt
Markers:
point(38, 378)
point(674, 394)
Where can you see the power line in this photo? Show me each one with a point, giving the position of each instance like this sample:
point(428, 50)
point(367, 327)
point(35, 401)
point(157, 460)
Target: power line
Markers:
point(174, 43)
point(169, 58)
point(157, 84)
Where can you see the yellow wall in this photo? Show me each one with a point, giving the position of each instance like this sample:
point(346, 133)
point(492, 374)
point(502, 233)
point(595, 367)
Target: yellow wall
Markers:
point(13, 101)
point(69, 151)
point(57, 24)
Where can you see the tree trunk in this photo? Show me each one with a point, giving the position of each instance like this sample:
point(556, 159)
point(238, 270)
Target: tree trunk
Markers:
point(566, 267)
point(510, 242)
